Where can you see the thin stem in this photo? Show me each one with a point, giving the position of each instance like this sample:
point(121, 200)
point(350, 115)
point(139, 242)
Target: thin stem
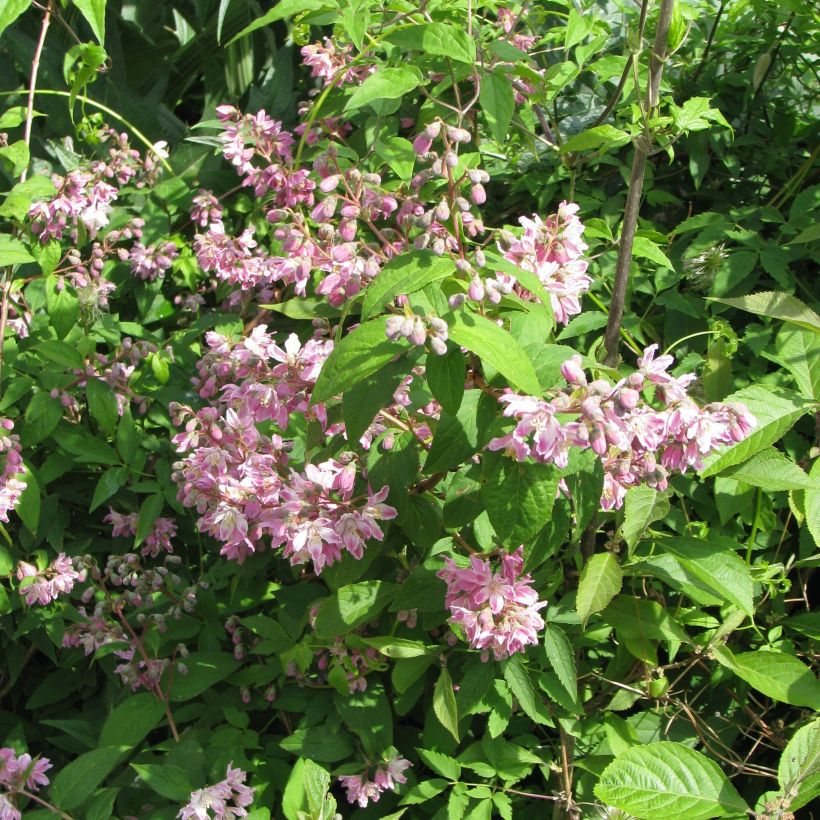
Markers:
point(106, 110)
point(692, 336)
point(755, 525)
point(32, 86)
point(709, 40)
point(44, 803)
point(643, 147)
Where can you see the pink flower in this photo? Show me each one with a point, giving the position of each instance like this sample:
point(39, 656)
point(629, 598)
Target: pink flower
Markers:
point(11, 469)
point(21, 771)
point(43, 587)
point(497, 610)
point(225, 800)
point(388, 774)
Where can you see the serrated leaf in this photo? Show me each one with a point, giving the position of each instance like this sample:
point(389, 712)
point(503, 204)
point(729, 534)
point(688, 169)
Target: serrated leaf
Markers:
point(799, 769)
point(647, 249)
point(437, 40)
point(283, 9)
point(670, 781)
point(518, 679)
point(386, 84)
point(398, 153)
point(600, 582)
point(110, 481)
point(777, 675)
point(28, 506)
point(360, 353)
point(317, 783)
point(496, 347)
point(444, 703)
point(518, 496)
point(406, 274)
point(642, 619)
point(776, 411)
point(43, 414)
point(799, 351)
point(600, 137)
point(362, 401)
point(131, 721)
point(397, 647)
point(351, 606)
point(772, 471)
point(10, 10)
point(102, 404)
point(441, 764)
point(205, 669)
point(458, 437)
point(776, 305)
point(497, 102)
point(718, 569)
point(13, 252)
point(561, 658)
point(643, 506)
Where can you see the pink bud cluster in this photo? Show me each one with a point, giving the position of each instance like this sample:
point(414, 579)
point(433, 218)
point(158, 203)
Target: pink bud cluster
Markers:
point(553, 250)
point(637, 442)
point(124, 525)
point(238, 478)
point(19, 772)
point(44, 586)
point(11, 469)
point(387, 775)
point(418, 330)
point(497, 611)
point(355, 663)
point(150, 263)
point(225, 800)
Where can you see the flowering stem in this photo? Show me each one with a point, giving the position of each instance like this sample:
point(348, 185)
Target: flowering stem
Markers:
point(106, 110)
point(32, 87)
point(643, 147)
point(45, 804)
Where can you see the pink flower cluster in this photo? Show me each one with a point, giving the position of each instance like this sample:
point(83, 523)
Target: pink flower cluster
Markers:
point(553, 250)
point(124, 525)
point(498, 611)
point(333, 63)
point(355, 663)
point(150, 263)
point(238, 478)
point(387, 775)
point(44, 586)
point(637, 442)
point(19, 772)
point(225, 800)
point(11, 469)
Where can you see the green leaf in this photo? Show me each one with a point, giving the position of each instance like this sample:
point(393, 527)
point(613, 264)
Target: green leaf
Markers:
point(561, 658)
point(496, 347)
point(102, 404)
point(75, 782)
point(166, 780)
point(359, 354)
point(601, 137)
point(583, 323)
point(398, 153)
point(110, 481)
point(444, 703)
point(351, 606)
point(441, 764)
point(641, 618)
point(319, 743)
point(13, 252)
point(283, 9)
point(458, 437)
point(642, 507)
point(776, 305)
point(16, 157)
point(317, 783)
point(10, 10)
point(424, 791)
point(205, 669)
point(132, 720)
point(398, 647)
point(497, 102)
point(772, 471)
point(776, 411)
point(799, 770)
point(437, 40)
point(362, 401)
point(19, 199)
point(220, 18)
point(777, 675)
point(799, 351)
point(647, 249)
point(63, 306)
point(600, 582)
point(101, 805)
point(445, 377)
point(518, 679)
point(43, 414)
point(94, 13)
point(403, 275)
point(385, 84)
point(717, 568)
point(670, 781)
point(83, 445)
point(518, 496)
